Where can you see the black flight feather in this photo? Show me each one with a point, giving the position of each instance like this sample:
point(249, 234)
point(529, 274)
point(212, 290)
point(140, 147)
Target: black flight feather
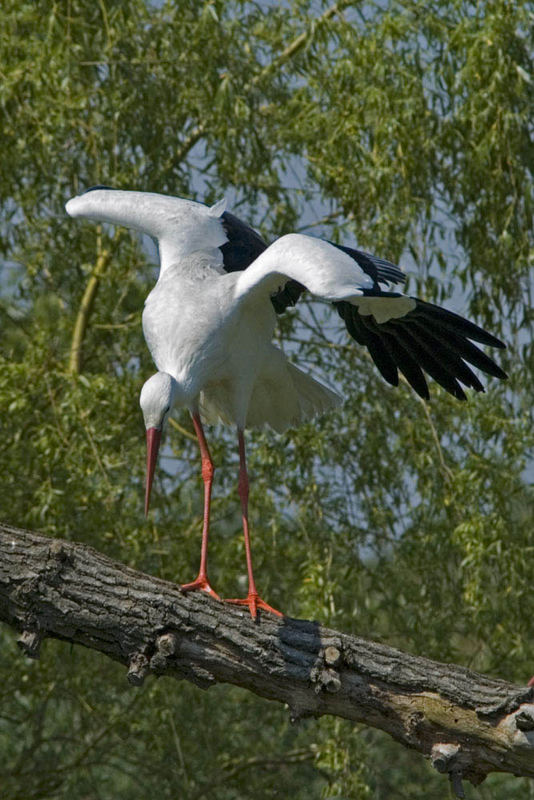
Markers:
point(456, 323)
point(378, 269)
point(98, 186)
point(407, 365)
point(426, 360)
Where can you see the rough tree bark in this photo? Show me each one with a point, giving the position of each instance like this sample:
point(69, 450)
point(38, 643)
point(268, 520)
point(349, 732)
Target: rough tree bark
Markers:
point(466, 723)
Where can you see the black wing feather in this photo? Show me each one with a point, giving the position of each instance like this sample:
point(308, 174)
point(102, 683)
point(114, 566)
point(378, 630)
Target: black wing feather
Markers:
point(353, 321)
point(366, 336)
point(378, 269)
point(380, 354)
point(98, 186)
point(456, 323)
point(244, 244)
point(446, 352)
point(466, 349)
point(447, 360)
point(426, 339)
point(407, 365)
point(429, 363)
point(288, 296)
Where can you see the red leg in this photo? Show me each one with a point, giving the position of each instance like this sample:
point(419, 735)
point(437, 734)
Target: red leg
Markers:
point(201, 581)
point(253, 600)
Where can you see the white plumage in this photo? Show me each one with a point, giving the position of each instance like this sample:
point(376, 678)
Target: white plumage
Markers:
point(215, 341)
point(209, 329)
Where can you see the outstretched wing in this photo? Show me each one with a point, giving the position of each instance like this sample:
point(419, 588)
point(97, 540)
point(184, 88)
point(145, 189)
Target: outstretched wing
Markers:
point(180, 226)
point(401, 333)
point(245, 244)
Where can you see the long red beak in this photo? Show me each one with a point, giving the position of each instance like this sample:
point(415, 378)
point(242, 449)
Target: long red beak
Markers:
point(153, 439)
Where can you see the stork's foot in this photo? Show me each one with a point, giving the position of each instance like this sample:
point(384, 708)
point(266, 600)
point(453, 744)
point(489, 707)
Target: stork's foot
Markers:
point(200, 584)
point(254, 602)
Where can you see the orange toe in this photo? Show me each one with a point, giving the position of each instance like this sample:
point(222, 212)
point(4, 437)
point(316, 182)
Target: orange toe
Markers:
point(200, 584)
point(254, 602)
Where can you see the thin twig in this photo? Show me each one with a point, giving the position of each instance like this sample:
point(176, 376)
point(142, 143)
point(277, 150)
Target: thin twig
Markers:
point(182, 430)
point(446, 470)
point(86, 305)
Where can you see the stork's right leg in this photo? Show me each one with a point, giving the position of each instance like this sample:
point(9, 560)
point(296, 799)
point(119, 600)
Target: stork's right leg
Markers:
point(252, 600)
point(201, 581)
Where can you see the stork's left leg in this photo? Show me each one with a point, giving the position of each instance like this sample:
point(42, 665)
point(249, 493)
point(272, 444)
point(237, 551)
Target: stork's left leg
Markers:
point(253, 600)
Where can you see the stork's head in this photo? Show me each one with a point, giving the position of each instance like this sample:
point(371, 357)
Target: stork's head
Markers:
point(156, 401)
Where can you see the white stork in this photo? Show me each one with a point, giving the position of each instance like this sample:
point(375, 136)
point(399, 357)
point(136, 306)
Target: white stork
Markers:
point(209, 321)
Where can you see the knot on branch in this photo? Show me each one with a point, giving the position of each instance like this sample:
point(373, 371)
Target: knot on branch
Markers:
point(30, 643)
point(138, 669)
point(58, 551)
point(166, 648)
point(524, 719)
point(446, 757)
point(333, 656)
point(323, 674)
point(58, 558)
point(175, 655)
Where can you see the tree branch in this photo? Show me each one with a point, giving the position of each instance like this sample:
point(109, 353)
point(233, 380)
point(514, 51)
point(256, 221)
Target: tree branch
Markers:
point(86, 305)
point(467, 724)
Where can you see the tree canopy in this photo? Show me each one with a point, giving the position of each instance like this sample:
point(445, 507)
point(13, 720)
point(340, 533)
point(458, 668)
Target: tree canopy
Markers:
point(402, 127)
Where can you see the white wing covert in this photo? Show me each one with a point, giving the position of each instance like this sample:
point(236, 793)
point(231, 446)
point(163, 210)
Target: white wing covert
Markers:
point(324, 270)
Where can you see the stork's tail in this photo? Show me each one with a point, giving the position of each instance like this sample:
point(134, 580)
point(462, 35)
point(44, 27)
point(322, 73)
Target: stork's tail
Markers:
point(283, 397)
point(289, 400)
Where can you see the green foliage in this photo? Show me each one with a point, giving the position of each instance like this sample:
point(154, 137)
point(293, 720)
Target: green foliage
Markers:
point(403, 126)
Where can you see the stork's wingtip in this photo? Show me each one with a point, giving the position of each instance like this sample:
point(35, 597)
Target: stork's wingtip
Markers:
point(70, 207)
